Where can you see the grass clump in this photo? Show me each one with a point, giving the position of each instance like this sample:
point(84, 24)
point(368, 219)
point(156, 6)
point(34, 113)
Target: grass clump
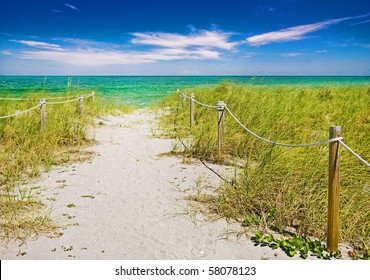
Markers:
point(23, 214)
point(278, 187)
point(26, 150)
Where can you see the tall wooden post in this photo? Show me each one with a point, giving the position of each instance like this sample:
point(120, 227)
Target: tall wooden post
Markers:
point(192, 96)
point(81, 104)
point(221, 110)
point(333, 192)
point(43, 112)
point(183, 99)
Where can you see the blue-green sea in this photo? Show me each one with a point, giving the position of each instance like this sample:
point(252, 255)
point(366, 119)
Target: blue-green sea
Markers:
point(142, 90)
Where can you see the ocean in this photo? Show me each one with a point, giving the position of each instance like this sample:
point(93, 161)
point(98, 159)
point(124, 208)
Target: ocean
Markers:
point(143, 90)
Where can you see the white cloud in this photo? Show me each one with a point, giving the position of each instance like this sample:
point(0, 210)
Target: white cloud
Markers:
point(37, 44)
point(357, 44)
point(100, 57)
point(210, 39)
point(174, 54)
point(85, 57)
point(290, 54)
point(78, 43)
point(248, 55)
point(293, 33)
point(203, 45)
point(288, 34)
point(71, 7)
point(191, 72)
point(321, 51)
point(6, 52)
point(56, 11)
point(361, 22)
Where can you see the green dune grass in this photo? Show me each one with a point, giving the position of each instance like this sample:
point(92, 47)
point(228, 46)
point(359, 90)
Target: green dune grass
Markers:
point(26, 150)
point(283, 188)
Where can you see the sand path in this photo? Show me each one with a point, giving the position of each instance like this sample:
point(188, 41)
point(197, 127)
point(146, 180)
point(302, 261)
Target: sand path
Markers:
point(126, 204)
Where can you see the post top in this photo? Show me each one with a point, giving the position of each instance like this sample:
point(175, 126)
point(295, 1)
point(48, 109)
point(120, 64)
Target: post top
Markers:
point(335, 131)
point(221, 105)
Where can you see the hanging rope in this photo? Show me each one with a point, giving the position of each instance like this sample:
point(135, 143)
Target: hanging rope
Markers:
point(20, 113)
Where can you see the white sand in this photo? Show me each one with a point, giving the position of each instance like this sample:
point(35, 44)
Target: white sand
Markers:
point(128, 205)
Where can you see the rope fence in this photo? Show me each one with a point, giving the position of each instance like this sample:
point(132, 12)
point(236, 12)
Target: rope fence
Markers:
point(222, 106)
point(202, 104)
point(62, 102)
point(282, 144)
point(42, 105)
point(353, 153)
point(20, 113)
point(335, 141)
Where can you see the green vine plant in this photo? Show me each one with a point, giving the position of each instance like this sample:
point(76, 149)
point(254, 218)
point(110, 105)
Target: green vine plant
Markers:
point(296, 245)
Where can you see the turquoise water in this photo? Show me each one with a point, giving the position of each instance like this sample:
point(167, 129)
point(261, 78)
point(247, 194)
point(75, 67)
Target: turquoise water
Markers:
point(142, 90)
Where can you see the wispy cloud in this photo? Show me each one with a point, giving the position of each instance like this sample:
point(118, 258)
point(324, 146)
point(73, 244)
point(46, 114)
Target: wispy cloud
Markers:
point(71, 7)
point(290, 54)
point(37, 44)
point(294, 33)
point(89, 53)
point(100, 57)
point(361, 22)
point(85, 57)
point(321, 51)
point(208, 39)
point(260, 9)
point(248, 55)
point(56, 11)
point(202, 45)
point(288, 34)
point(6, 52)
point(154, 47)
point(79, 43)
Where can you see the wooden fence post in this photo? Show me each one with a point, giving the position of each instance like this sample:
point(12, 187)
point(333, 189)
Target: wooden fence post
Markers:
point(81, 104)
point(221, 110)
point(183, 99)
point(192, 96)
point(43, 112)
point(333, 191)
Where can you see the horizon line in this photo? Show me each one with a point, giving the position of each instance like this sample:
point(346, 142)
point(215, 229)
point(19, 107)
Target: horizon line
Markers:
point(225, 75)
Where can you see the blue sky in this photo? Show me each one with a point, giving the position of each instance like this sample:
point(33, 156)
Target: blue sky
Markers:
point(184, 37)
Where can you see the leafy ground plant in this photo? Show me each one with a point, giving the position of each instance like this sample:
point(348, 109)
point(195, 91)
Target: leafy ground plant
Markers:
point(296, 245)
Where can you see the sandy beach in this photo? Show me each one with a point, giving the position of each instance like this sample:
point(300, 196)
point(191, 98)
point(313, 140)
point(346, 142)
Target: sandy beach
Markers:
point(127, 202)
